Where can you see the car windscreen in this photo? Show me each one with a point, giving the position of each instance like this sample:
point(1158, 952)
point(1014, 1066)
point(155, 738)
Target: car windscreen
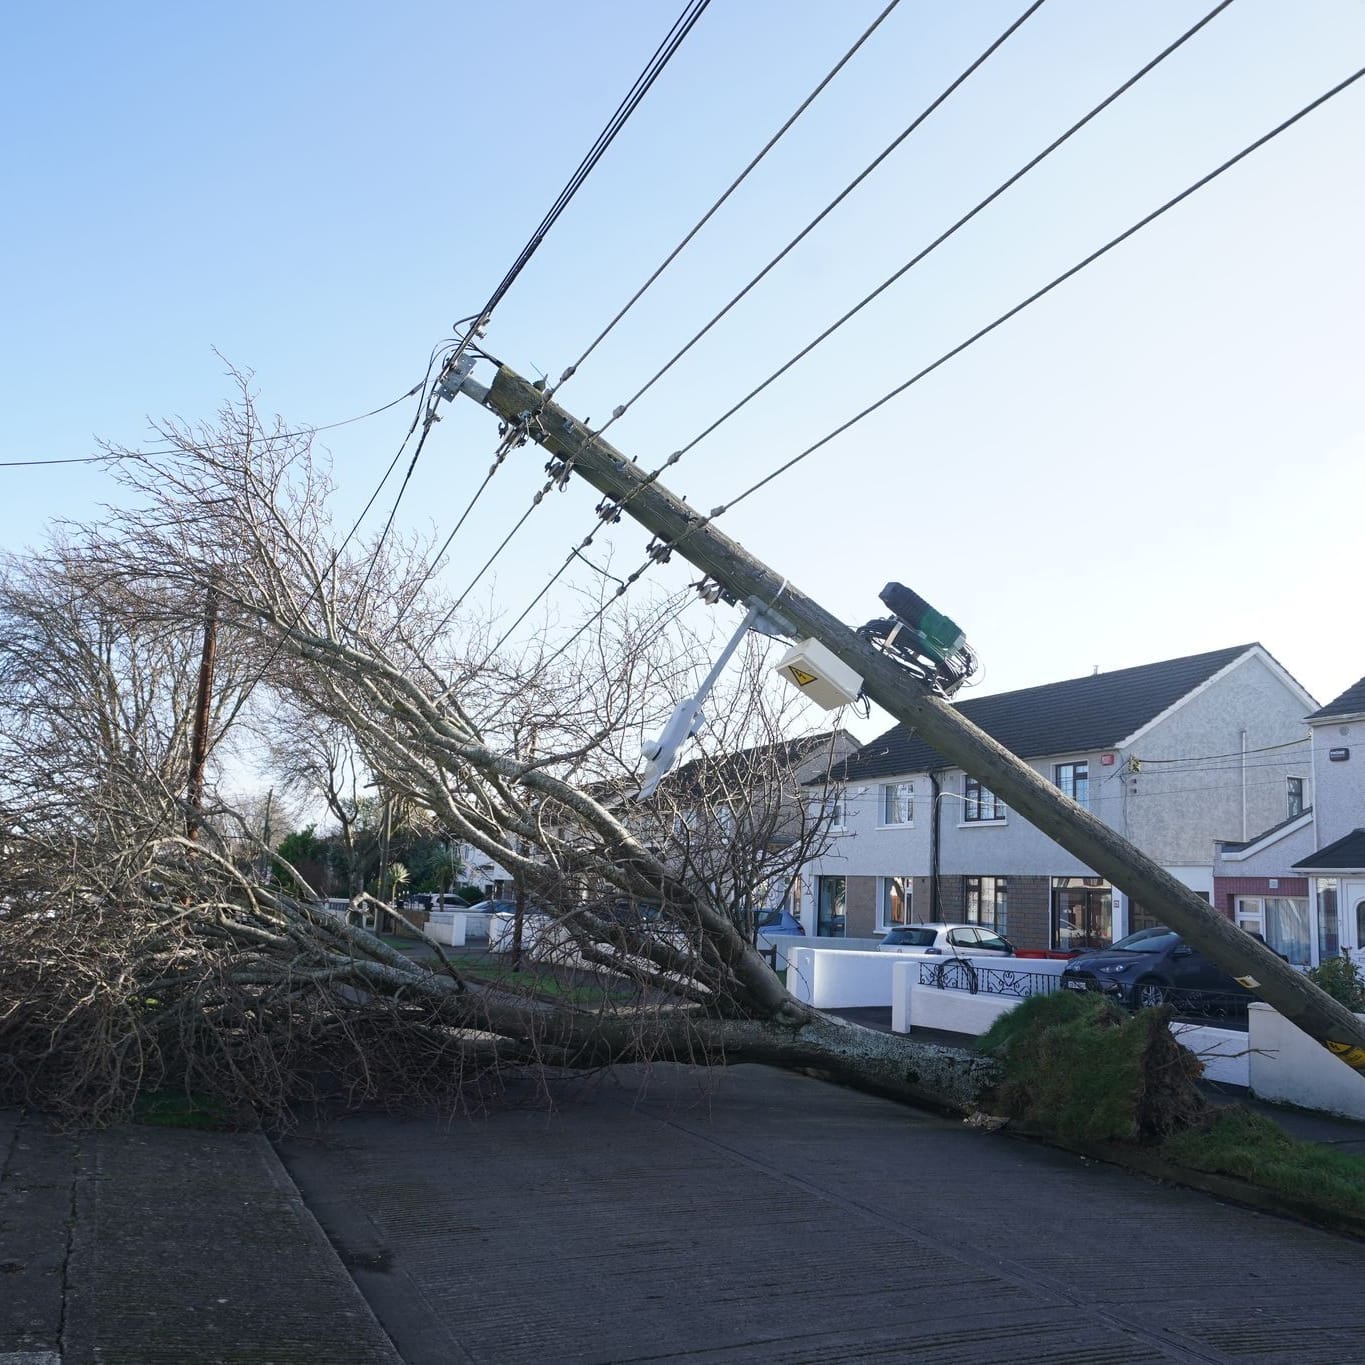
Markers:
point(911, 938)
point(1155, 940)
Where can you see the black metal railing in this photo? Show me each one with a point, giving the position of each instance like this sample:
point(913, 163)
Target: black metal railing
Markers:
point(957, 974)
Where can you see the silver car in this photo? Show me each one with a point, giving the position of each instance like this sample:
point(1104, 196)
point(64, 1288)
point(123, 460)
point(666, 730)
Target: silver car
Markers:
point(946, 940)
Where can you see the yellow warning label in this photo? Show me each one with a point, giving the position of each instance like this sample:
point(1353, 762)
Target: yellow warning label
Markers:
point(1352, 1056)
point(803, 679)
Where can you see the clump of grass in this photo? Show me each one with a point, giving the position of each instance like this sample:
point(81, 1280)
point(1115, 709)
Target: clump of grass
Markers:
point(175, 1109)
point(1082, 1069)
point(1237, 1141)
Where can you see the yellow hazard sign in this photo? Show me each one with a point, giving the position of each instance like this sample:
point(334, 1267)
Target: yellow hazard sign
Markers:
point(803, 679)
point(1352, 1056)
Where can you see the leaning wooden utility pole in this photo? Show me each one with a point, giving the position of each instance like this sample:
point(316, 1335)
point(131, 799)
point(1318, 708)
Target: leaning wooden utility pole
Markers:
point(199, 740)
point(912, 701)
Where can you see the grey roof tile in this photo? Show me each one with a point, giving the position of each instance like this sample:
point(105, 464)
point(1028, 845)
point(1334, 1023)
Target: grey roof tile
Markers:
point(1347, 852)
point(1093, 712)
point(1352, 700)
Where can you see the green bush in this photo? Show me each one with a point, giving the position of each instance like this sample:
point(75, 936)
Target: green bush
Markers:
point(1341, 979)
point(1083, 1069)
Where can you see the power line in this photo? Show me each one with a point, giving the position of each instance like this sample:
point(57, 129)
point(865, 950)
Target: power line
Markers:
point(1046, 289)
point(682, 26)
point(915, 260)
point(949, 232)
point(663, 54)
point(660, 552)
point(217, 445)
point(644, 288)
point(1202, 758)
point(733, 186)
point(829, 208)
point(847, 190)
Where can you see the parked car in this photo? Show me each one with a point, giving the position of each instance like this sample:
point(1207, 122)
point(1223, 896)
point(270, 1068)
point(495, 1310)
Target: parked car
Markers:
point(494, 908)
point(1154, 966)
point(945, 940)
point(769, 922)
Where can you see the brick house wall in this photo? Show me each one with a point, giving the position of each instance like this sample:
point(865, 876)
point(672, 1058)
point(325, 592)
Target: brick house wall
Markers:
point(860, 907)
point(921, 899)
point(1227, 889)
point(1029, 918)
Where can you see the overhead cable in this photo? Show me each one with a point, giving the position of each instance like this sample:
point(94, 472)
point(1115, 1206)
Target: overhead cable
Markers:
point(217, 445)
point(1018, 308)
point(848, 189)
point(944, 236)
point(730, 189)
point(1049, 287)
point(682, 26)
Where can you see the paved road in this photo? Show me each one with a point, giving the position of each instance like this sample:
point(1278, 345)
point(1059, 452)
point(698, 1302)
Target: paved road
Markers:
point(777, 1219)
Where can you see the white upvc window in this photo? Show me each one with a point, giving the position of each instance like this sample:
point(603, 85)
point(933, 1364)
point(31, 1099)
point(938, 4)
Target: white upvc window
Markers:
point(836, 808)
point(1281, 921)
point(893, 901)
point(897, 803)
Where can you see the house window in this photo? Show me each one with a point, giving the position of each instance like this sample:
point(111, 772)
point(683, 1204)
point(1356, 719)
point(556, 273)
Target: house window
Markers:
point(1329, 929)
point(1082, 913)
point(894, 903)
point(898, 803)
point(834, 808)
point(1295, 796)
point(981, 804)
point(1073, 779)
point(1282, 921)
point(986, 901)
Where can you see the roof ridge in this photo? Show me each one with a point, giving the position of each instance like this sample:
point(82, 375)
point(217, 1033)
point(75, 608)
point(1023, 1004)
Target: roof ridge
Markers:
point(1069, 715)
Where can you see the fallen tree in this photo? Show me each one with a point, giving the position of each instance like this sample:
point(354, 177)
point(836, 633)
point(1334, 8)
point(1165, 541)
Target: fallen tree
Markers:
point(136, 960)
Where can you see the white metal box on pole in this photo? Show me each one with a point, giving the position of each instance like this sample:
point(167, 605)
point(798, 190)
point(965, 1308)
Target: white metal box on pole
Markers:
point(816, 673)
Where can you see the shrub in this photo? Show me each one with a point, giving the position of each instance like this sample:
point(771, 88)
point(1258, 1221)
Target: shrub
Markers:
point(1084, 1070)
point(1341, 979)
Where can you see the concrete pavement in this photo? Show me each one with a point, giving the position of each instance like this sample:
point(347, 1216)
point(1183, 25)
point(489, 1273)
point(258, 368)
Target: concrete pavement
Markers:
point(152, 1245)
point(764, 1217)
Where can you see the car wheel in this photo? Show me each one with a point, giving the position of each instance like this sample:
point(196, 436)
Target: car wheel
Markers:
point(1148, 995)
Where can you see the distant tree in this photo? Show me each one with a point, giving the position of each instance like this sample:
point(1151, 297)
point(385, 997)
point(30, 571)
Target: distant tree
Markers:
point(302, 859)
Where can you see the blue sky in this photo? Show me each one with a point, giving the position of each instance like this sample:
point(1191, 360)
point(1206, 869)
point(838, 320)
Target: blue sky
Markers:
point(1162, 457)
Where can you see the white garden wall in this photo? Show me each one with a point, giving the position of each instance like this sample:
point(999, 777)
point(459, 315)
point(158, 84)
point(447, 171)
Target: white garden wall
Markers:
point(840, 978)
point(1224, 1052)
point(1289, 1067)
point(784, 943)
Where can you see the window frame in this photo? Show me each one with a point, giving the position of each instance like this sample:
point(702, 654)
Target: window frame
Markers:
point(1294, 794)
point(884, 923)
point(1078, 773)
point(974, 798)
point(999, 901)
point(891, 794)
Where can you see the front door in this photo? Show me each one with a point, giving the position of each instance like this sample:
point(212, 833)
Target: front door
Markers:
point(1353, 915)
point(831, 919)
